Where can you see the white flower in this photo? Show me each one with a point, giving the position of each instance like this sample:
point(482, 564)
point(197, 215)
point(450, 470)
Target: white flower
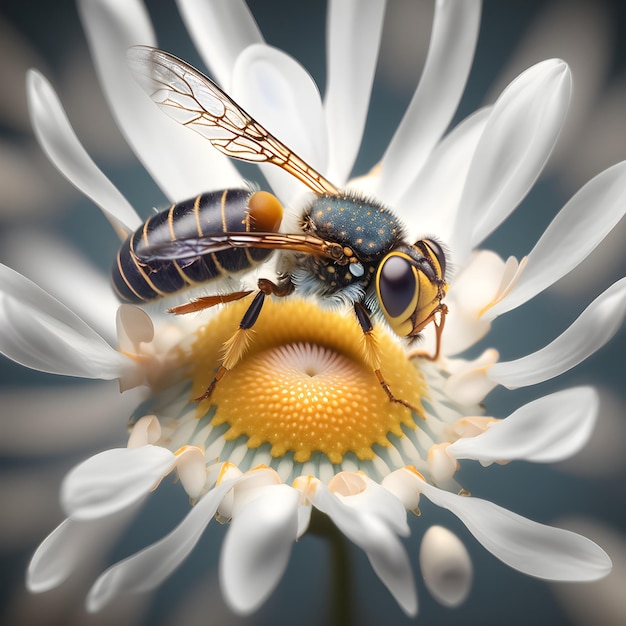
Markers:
point(301, 426)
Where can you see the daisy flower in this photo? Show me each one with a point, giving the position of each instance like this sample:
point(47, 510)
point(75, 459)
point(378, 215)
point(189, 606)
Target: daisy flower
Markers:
point(298, 428)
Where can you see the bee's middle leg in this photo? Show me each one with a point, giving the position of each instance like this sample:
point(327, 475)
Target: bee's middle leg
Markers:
point(237, 345)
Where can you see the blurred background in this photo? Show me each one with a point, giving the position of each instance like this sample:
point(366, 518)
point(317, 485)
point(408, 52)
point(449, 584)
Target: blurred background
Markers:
point(585, 494)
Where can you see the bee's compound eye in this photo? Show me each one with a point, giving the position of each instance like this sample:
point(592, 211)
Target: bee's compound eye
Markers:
point(266, 212)
point(397, 286)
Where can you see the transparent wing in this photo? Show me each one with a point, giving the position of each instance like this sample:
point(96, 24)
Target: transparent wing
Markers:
point(194, 100)
point(192, 247)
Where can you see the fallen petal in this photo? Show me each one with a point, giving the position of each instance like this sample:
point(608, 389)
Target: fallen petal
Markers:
point(445, 566)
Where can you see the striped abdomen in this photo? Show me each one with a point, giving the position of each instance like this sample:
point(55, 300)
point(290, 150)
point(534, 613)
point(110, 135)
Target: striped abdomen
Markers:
point(211, 213)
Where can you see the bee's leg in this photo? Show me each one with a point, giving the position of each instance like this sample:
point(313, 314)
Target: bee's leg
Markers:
point(372, 356)
point(204, 302)
point(443, 311)
point(282, 289)
point(237, 345)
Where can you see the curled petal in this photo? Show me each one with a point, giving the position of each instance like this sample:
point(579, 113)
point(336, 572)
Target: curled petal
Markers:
point(441, 464)
point(59, 142)
point(401, 485)
point(192, 472)
point(353, 38)
point(37, 331)
point(446, 566)
point(573, 234)
point(527, 546)
point(232, 29)
point(113, 480)
point(550, 429)
point(134, 326)
point(450, 54)
point(383, 548)
point(470, 383)
point(150, 567)
point(520, 134)
point(147, 430)
point(252, 485)
point(280, 94)
point(371, 498)
point(595, 326)
point(472, 289)
point(257, 547)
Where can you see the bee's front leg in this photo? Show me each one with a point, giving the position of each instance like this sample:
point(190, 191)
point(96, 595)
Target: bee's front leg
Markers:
point(371, 354)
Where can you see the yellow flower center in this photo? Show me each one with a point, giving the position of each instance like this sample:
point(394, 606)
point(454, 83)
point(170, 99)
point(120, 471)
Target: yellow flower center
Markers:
point(304, 384)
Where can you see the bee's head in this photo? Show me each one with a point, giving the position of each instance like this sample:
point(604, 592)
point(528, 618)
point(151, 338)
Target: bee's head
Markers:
point(410, 285)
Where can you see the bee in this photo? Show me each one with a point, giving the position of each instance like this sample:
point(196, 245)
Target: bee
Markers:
point(349, 247)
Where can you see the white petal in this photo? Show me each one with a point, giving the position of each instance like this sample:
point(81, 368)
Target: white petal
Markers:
point(430, 203)
point(150, 567)
point(595, 326)
point(68, 276)
point(390, 562)
point(55, 559)
point(280, 94)
point(445, 566)
point(549, 429)
point(41, 333)
point(113, 480)
point(70, 545)
point(182, 163)
point(257, 547)
point(232, 28)
point(59, 142)
point(450, 55)
point(352, 42)
point(524, 545)
point(383, 548)
point(573, 234)
point(519, 136)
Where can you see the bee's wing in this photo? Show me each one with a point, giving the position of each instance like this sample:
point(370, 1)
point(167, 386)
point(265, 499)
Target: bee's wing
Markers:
point(193, 247)
point(194, 100)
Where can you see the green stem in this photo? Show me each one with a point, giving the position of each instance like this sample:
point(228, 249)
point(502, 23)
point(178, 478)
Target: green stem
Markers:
point(341, 572)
